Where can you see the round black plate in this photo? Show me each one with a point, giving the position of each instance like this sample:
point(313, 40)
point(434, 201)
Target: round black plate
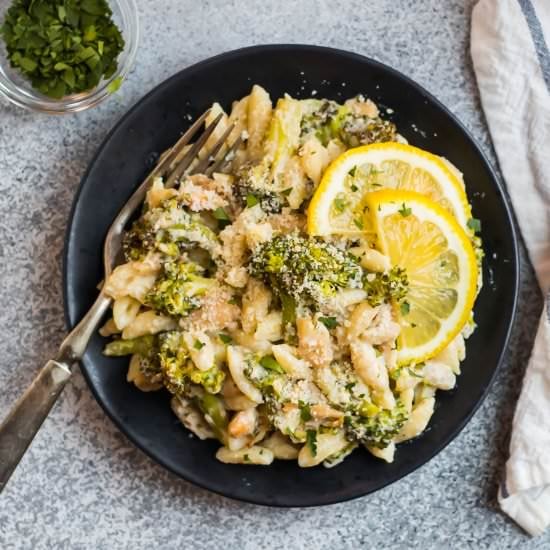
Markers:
point(153, 125)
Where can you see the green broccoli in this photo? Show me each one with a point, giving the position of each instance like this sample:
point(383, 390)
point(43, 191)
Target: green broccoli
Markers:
point(364, 422)
point(138, 240)
point(328, 120)
point(355, 130)
point(305, 268)
point(178, 369)
point(178, 289)
point(319, 118)
point(253, 185)
point(169, 229)
point(389, 286)
point(374, 426)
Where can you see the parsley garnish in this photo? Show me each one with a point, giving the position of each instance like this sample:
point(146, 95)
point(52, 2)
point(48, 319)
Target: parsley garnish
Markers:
point(354, 187)
point(358, 223)
point(270, 363)
point(225, 338)
point(221, 215)
point(474, 224)
point(329, 322)
point(198, 344)
point(405, 308)
point(115, 85)
point(63, 47)
point(352, 171)
point(305, 411)
point(404, 211)
point(339, 204)
point(311, 441)
point(251, 200)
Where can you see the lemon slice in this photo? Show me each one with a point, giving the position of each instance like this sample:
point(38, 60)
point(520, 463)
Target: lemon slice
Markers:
point(423, 238)
point(338, 203)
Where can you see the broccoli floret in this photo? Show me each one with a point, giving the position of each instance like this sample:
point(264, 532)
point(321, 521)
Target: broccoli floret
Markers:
point(328, 120)
point(374, 426)
point(304, 268)
point(355, 130)
point(263, 372)
point(382, 287)
point(138, 240)
point(364, 422)
point(178, 289)
point(169, 229)
point(253, 186)
point(319, 118)
point(178, 369)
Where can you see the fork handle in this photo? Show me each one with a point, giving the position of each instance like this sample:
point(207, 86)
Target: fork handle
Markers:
point(24, 420)
point(19, 428)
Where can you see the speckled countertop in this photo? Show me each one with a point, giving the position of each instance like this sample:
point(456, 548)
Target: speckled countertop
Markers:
point(82, 485)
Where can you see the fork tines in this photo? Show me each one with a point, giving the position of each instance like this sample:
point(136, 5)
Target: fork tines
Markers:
point(186, 157)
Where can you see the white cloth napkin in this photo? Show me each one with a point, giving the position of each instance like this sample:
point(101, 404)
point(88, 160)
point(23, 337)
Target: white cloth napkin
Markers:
point(510, 49)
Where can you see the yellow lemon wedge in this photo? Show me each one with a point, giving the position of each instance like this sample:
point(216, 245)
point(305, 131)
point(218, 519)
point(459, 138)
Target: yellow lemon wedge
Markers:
point(338, 203)
point(422, 237)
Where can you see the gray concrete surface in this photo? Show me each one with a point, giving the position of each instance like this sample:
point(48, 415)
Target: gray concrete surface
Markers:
point(82, 485)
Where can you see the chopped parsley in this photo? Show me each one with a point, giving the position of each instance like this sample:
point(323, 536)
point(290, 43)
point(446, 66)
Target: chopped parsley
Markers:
point(311, 441)
point(404, 211)
point(340, 204)
point(62, 47)
point(350, 386)
point(474, 224)
point(405, 308)
point(329, 322)
point(270, 363)
point(221, 215)
point(198, 344)
point(305, 411)
point(358, 223)
point(225, 338)
point(251, 200)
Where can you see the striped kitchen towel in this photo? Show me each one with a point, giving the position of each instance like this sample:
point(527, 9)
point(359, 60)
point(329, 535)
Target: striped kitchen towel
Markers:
point(510, 51)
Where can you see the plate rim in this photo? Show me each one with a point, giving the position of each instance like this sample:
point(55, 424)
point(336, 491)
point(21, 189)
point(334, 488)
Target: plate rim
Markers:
point(500, 188)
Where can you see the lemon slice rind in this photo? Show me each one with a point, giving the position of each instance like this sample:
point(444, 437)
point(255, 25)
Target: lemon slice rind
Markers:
point(390, 202)
point(333, 180)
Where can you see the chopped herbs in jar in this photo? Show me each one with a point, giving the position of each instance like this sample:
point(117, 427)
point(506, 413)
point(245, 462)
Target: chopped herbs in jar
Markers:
point(63, 47)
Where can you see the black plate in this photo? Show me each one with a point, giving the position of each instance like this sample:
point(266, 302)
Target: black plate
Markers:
point(152, 126)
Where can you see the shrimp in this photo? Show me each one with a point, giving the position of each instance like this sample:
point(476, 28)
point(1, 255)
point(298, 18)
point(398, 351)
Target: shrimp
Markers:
point(372, 370)
point(383, 328)
point(243, 423)
point(314, 344)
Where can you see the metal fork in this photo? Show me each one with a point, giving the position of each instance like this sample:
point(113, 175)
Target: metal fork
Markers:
point(23, 422)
